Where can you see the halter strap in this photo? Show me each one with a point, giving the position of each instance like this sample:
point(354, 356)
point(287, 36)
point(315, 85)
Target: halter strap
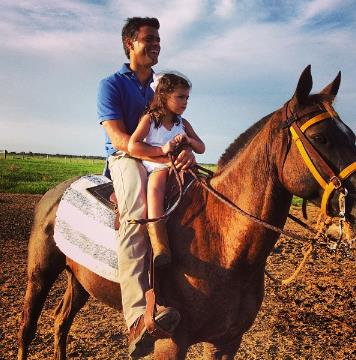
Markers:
point(314, 120)
point(303, 152)
point(344, 174)
point(310, 154)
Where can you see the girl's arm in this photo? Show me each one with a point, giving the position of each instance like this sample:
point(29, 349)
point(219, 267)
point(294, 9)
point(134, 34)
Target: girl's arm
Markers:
point(141, 150)
point(193, 139)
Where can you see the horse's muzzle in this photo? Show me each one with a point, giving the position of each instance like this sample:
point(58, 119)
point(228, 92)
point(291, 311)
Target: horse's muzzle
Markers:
point(351, 207)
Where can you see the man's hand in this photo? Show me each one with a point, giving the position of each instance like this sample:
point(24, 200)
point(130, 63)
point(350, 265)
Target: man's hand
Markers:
point(185, 159)
point(168, 147)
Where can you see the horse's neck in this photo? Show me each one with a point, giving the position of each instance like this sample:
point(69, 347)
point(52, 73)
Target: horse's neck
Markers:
point(251, 178)
point(250, 181)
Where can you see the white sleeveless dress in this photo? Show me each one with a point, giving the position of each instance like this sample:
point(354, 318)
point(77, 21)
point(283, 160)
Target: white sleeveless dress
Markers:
point(158, 137)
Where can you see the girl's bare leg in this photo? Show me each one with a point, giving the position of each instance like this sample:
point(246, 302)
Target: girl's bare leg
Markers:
point(157, 231)
point(156, 188)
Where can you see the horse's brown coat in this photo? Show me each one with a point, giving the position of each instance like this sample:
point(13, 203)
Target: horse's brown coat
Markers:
point(217, 279)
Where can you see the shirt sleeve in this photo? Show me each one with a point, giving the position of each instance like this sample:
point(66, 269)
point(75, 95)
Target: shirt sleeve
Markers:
point(109, 101)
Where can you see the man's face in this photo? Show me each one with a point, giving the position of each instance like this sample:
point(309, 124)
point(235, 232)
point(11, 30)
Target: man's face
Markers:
point(145, 49)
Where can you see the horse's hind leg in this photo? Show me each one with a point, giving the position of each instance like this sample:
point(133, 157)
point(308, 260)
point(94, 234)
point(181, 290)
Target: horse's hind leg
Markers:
point(73, 300)
point(42, 272)
point(37, 290)
point(45, 263)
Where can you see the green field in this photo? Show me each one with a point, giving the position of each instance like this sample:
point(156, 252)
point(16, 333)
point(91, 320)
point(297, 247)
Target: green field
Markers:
point(36, 174)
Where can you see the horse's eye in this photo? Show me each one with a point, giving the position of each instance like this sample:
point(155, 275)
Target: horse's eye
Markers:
point(319, 138)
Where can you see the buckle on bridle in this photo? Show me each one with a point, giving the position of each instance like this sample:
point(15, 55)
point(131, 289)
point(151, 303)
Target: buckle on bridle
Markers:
point(289, 121)
point(338, 183)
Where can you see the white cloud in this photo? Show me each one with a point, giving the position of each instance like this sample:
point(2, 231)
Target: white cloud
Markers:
point(316, 7)
point(224, 8)
point(55, 26)
point(243, 62)
point(176, 17)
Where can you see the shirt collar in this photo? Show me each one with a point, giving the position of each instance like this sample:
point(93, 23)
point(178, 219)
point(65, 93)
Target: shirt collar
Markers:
point(125, 69)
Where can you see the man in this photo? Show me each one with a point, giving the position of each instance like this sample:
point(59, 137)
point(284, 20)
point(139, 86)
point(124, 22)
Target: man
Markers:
point(122, 98)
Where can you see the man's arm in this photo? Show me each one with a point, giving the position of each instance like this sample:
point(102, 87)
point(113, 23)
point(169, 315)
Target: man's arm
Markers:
point(117, 133)
point(137, 147)
point(119, 137)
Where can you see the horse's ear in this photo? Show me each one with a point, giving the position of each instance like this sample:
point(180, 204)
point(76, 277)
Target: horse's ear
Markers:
point(304, 86)
point(333, 88)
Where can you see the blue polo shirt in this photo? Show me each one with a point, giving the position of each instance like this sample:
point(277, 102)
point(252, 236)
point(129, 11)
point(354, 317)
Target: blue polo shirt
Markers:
point(122, 97)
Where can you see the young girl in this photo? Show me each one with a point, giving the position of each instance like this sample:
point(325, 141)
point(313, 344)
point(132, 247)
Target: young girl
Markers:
point(159, 131)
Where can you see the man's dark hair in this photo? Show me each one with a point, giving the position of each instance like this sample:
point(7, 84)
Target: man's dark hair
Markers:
point(132, 26)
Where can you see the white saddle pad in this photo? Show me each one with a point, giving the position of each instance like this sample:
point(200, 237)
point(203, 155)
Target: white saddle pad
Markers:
point(84, 228)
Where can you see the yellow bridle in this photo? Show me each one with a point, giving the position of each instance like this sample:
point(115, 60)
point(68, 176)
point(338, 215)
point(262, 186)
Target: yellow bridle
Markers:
point(336, 181)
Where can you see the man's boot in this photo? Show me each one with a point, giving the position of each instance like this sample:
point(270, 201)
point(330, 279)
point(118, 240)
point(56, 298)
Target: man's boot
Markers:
point(141, 340)
point(157, 232)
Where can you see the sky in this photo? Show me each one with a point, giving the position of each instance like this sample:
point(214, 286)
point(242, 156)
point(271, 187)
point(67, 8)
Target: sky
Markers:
point(244, 58)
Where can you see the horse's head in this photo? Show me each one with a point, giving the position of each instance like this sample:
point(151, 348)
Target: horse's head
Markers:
point(319, 160)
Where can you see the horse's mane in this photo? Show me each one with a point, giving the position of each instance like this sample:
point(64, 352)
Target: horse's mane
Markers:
point(241, 141)
point(245, 138)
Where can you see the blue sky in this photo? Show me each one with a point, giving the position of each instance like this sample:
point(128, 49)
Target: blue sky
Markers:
point(243, 57)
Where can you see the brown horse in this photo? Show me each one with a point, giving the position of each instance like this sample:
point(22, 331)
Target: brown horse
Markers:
point(217, 278)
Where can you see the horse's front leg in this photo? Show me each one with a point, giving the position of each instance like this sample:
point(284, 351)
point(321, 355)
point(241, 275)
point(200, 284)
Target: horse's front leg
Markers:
point(170, 349)
point(221, 352)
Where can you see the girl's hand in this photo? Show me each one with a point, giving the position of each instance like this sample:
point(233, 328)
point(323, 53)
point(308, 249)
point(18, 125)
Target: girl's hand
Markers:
point(181, 139)
point(168, 147)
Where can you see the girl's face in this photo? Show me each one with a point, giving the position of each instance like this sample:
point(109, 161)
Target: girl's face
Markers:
point(177, 101)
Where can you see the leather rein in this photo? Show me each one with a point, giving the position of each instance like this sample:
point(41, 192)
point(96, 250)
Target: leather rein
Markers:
point(311, 157)
point(329, 181)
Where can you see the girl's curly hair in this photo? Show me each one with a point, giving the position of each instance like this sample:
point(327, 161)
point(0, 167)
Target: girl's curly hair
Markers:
point(167, 84)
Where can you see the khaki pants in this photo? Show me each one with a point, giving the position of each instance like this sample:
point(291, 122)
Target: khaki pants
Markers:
point(130, 181)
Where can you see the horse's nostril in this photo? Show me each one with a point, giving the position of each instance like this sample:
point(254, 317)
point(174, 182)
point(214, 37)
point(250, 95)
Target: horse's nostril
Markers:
point(353, 215)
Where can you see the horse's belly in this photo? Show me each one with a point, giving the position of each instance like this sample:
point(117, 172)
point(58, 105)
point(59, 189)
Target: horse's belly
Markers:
point(106, 291)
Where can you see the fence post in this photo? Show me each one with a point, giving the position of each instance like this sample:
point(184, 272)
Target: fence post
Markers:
point(3, 153)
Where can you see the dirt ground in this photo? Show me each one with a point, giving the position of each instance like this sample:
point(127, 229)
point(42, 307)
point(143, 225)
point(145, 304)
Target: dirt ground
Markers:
point(313, 318)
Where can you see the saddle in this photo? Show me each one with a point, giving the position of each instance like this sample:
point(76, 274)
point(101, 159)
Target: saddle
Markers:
point(105, 194)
